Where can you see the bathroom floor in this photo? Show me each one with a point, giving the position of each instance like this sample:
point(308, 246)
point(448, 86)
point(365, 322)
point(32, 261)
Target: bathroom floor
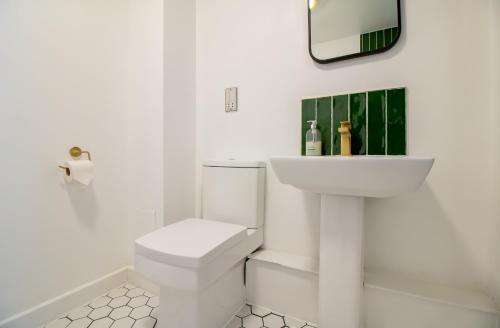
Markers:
point(123, 307)
point(256, 317)
point(128, 306)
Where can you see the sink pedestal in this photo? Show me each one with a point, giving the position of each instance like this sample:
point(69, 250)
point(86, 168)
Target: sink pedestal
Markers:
point(343, 183)
point(341, 261)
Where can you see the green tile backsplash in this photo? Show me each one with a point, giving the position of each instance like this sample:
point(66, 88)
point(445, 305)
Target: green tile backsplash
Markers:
point(308, 114)
point(396, 122)
point(357, 116)
point(378, 39)
point(340, 113)
point(378, 121)
point(324, 117)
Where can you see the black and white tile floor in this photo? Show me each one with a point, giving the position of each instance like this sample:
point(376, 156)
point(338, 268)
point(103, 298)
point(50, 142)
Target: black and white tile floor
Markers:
point(123, 307)
point(256, 317)
point(131, 307)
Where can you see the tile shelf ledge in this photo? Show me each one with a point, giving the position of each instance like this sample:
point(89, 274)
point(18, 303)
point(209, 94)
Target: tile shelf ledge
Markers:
point(468, 299)
point(393, 283)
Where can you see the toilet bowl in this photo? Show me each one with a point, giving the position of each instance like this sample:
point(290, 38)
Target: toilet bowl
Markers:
point(199, 262)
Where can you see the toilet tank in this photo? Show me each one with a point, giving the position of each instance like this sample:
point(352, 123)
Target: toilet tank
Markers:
point(233, 192)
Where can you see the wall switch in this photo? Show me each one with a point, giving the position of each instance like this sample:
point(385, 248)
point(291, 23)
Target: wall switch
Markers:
point(232, 99)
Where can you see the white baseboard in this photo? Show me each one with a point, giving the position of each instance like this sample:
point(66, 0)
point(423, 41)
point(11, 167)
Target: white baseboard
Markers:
point(139, 280)
point(283, 282)
point(387, 309)
point(53, 308)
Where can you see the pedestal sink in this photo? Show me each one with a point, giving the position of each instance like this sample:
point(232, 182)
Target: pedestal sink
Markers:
point(343, 183)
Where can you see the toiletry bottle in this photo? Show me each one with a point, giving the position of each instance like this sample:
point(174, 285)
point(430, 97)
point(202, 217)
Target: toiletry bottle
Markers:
point(313, 140)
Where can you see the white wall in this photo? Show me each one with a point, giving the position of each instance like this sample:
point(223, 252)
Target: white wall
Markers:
point(494, 123)
point(180, 105)
point(440, 234)
point(146, 112)
point(66, 79)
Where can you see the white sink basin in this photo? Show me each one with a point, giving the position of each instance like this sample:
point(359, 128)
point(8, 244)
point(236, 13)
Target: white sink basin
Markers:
point(343, 183)
point(366, 176)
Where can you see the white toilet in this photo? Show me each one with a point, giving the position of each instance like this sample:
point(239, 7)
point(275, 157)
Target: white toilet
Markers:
point(199, 263)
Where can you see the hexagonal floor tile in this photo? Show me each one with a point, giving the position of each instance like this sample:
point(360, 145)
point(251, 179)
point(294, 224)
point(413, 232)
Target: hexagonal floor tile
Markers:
point(273, 321)
point(117, 292)
point(245, 311)
point(135, 292)
point(252, 321)
point(261, 312)
point(147, 322)
point(80, 323)
point(102, 323)
point(59, 323)
point(120, 312)
point(235, 323)
point(100, 302)
point(153, 301)
point(154, 313)
point(123, 323)
point(129, 286)
point(119, 301)
point(138, 301)
point(294, 323)
point(116, 310)
point(148, 294)
point(141, 312)
point(100, 313)
point(79, 313)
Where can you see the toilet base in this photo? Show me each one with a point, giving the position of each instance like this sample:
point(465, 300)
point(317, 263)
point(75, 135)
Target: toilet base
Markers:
point(212, 307)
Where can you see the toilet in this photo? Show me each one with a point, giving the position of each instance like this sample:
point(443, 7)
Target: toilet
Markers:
point(199, 263)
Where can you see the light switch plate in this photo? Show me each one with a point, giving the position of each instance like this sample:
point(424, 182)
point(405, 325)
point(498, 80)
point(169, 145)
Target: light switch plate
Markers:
point(232, 99)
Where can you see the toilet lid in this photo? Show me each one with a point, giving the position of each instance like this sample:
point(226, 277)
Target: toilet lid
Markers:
point(190, 243)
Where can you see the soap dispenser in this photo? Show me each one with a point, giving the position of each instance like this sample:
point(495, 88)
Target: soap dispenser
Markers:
point(313, 140)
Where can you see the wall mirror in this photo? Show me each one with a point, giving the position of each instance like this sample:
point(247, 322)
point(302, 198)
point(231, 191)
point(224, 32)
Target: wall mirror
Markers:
point(344, 29)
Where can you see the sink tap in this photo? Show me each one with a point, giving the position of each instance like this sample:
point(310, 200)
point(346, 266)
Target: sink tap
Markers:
point(345, 138)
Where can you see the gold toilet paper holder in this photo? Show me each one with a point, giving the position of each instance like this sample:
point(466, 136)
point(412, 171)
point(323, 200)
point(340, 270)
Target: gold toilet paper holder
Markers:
point(75, 152)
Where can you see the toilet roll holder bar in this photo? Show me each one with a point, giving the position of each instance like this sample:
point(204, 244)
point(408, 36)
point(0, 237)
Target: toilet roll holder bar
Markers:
point(75, 152)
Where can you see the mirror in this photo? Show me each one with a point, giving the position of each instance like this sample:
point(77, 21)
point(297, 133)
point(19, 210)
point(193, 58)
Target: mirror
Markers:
point(344, 29)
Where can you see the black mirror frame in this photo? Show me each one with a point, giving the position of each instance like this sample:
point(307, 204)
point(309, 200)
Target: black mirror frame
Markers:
point(356, 55)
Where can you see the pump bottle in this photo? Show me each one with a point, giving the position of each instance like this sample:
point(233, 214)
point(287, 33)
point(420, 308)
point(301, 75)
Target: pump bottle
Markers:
point(313, 140)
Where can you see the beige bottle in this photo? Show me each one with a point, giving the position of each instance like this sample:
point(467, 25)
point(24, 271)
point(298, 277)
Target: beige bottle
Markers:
point(345, 138)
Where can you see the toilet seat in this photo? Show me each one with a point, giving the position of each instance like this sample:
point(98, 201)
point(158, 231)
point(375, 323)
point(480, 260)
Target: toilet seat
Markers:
point(190, 243)
point(194, 253)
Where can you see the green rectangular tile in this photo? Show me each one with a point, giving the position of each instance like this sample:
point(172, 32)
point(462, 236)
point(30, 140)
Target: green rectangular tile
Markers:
point(308, 113)
point(396, 122)
point(340, 113)
point(376, 123)
point(387, 37)
point(366, 42)
point(357, 104)
point(324, 117)
point(373, 41)
point(395, 32)
point(380, 40)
